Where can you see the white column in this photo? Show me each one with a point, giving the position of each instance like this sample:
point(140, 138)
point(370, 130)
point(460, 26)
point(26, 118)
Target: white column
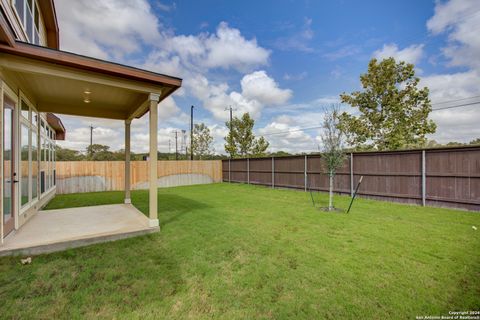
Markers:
point(152, 161)
point(127, 161)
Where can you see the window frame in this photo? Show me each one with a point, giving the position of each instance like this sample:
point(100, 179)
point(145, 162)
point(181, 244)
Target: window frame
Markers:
point(46, 153)
point(27, 122)
point(34, 38)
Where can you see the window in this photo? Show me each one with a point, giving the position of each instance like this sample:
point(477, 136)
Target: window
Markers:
point(29, 16)
point(24, 164)
point(34, 165)
point(29, 154)
point(35, 119)
point(20, 7)
point(25, 111)
point(47, 158)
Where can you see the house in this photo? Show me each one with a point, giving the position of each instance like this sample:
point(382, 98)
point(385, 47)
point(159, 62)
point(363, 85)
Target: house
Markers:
point(38, 80)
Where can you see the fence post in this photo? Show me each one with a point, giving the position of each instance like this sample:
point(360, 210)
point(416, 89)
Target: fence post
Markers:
point(273, 172)
point(351, 174)
point(305, 172)
point(229, 172)
point(424, 179)
point(248, 170)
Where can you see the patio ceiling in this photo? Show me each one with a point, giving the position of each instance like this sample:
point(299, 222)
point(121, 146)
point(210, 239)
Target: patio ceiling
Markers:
point(65, 83)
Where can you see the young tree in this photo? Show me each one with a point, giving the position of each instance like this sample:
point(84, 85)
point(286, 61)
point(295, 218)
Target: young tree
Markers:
point(393, 111)
point(332, 147)
point(240, 141)
point(202, 141)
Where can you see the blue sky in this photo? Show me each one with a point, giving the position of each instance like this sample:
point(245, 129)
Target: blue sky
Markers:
point(282, 61)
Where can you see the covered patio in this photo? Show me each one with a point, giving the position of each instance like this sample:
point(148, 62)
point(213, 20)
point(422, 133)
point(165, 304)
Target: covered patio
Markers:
point(61, 229)
point(65, 83)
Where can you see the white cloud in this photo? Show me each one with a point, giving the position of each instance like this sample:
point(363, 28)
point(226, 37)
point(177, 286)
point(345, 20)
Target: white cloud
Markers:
point(224, 49)
point(410, 54)
point(258, 91)
point(284, 133)
point(445, 87)
point(229, 49)
point(259, 86)
point(457, 124)
point(107, 29)
point(461, 20)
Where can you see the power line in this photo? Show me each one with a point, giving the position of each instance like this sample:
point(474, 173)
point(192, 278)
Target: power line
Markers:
point(289, 131)
point(318, 127)
point(457, 106)
point(455, 100)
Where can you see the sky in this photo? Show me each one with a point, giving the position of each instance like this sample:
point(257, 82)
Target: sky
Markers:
point(281, 61)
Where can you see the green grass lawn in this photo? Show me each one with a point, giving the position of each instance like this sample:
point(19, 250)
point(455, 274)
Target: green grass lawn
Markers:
point(242, 252)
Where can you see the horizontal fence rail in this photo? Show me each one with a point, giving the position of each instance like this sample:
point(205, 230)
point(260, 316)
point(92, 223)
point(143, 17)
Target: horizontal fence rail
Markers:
point(92, 176)
point(448, 177)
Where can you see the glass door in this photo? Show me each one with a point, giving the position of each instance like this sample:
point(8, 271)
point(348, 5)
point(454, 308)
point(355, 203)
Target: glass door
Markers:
point(9, 175)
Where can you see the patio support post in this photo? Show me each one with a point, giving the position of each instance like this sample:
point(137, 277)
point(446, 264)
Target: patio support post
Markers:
point(127, 161)
point(152, 162)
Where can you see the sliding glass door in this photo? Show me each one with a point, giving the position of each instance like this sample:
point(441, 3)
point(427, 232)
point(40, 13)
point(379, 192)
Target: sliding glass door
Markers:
point(9, 173)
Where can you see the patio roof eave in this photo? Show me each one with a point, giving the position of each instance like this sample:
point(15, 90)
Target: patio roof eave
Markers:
point(58, 80)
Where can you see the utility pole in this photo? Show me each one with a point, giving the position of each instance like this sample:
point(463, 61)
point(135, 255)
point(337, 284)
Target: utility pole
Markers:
point(91, 135)
point(191, 133)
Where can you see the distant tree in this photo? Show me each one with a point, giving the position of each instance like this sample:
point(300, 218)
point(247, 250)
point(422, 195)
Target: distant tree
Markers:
point(432, 144)
point(454, 144)
point(333, 154)
point(393, 111)
point(260, 146)
point(241, 142)
point(202, 141)
point(99, 152)
point(64, 154)
point(280, 154)
point(475, 142)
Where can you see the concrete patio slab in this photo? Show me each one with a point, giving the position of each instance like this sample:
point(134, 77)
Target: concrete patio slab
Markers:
point(56, 230)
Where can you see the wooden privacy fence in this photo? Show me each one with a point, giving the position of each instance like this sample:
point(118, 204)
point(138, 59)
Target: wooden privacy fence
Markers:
point(91, 176)
point(447, 177)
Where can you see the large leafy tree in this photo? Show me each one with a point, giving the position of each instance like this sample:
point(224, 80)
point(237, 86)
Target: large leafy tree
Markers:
point(202, 141)
point(393, 110)
point(241, 142)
